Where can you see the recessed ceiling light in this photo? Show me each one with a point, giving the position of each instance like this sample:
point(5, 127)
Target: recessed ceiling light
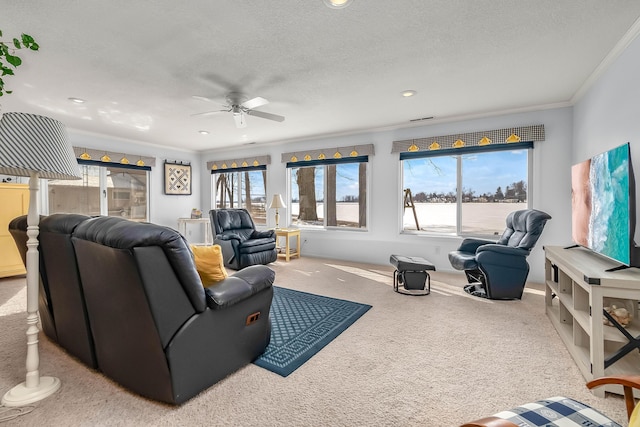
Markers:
point(203, 132)
point(408, 93)
point(77, 100)
point(337, 4)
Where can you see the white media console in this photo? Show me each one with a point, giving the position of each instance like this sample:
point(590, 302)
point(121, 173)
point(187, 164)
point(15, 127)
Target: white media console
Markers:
point(577, 287)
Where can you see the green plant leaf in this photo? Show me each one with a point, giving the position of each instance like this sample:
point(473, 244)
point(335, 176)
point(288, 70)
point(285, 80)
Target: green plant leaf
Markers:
point(13, 60)
point(27, 39)
point(17, 44)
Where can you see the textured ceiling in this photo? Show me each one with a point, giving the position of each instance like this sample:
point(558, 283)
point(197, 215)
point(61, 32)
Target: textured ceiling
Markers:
point(138, 63)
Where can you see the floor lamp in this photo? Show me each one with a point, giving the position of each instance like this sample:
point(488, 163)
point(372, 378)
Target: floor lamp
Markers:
point(277, 203)
point(37, 147)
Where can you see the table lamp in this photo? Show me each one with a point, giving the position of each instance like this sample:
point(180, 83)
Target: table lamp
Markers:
point(37, 147)
point(277, 203)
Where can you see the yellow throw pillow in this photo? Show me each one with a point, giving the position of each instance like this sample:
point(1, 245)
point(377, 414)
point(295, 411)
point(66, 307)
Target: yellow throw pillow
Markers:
point(209, 264)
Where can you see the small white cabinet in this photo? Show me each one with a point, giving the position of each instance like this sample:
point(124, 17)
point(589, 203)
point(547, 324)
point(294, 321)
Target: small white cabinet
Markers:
point(577, 287)
point(204, 222)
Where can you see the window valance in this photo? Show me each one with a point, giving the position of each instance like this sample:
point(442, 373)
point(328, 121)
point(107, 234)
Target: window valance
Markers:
point(472, 139)
point(238, 164)
point(130, 160)
point(328, 153)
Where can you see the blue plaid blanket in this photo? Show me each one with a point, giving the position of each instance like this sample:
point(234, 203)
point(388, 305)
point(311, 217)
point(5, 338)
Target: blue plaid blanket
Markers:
point(556, 412)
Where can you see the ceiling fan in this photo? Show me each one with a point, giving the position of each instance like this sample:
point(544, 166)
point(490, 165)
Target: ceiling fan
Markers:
point(239, 106)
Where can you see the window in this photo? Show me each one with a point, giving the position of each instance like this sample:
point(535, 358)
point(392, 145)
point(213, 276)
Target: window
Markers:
point(127, 193)
point(124, 192)
point(470, 193)
point(329, 193)
point(246, 188)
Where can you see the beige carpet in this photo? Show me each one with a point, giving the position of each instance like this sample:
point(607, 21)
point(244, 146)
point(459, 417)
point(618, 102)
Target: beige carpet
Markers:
point(436, 360)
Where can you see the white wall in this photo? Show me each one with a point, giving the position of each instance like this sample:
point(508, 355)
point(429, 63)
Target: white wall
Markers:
point(550, 190)
point(608, 115)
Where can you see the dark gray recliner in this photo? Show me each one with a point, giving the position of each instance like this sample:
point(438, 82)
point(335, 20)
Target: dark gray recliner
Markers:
point(242, 245)
point(499, 270)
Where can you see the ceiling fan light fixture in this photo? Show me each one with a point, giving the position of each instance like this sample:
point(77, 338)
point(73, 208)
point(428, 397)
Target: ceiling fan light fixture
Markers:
point(408, 93)
point(337, 4)
point(239, 106)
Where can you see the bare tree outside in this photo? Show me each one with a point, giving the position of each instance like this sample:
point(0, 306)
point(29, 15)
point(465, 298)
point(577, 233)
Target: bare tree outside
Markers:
point(362, 194)
point(330, 196)
point(247, 192)
point(305, 178)
point(224, 190)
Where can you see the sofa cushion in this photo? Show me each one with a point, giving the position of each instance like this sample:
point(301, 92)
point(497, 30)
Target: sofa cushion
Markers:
point(209, 264)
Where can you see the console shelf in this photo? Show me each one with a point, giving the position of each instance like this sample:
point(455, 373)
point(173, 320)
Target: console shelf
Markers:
point(577, 288)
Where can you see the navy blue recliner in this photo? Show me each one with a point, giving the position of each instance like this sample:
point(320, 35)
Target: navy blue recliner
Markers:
point(499, 270)
point(242, 245)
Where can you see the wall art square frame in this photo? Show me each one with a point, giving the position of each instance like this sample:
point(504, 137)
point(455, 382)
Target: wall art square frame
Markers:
point(177, 179)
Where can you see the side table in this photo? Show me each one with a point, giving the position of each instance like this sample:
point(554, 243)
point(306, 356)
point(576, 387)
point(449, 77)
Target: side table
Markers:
point(182, 228)
point(287, 233)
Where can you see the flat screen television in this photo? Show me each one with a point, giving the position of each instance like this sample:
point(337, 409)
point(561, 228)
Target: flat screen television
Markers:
point(603, 205)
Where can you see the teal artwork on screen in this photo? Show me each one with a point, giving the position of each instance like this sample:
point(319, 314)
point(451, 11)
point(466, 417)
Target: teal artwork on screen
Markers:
point(609, 223)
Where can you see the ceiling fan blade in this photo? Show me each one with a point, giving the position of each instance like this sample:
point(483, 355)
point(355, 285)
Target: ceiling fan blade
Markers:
point(241, 121)
point(254, 103)
point(204, 98)
point(267, 116)
point(209, 113)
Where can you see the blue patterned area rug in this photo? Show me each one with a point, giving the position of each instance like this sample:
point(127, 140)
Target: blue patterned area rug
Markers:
point(301, 325)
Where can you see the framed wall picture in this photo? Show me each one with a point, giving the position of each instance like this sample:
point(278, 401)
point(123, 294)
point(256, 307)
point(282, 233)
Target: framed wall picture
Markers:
point(177, 179)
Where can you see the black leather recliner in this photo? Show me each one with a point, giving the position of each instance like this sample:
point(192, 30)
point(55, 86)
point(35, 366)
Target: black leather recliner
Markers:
point(499, 270)
point(242, 245)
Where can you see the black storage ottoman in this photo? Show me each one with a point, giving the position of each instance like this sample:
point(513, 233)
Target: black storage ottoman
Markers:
point(411, 273)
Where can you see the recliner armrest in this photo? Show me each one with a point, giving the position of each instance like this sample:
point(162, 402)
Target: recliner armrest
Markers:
point(242, 285)
point(229, 236)
point(262, 234)
point(503, 250)
point(471, 244)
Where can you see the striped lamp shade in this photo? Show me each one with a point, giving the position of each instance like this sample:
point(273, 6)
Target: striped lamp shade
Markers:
point(30, 143)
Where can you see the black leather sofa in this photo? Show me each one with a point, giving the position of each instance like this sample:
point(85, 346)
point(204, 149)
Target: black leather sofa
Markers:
point(152, 326)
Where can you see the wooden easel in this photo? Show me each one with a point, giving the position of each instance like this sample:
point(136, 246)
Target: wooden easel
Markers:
point(408, 203)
